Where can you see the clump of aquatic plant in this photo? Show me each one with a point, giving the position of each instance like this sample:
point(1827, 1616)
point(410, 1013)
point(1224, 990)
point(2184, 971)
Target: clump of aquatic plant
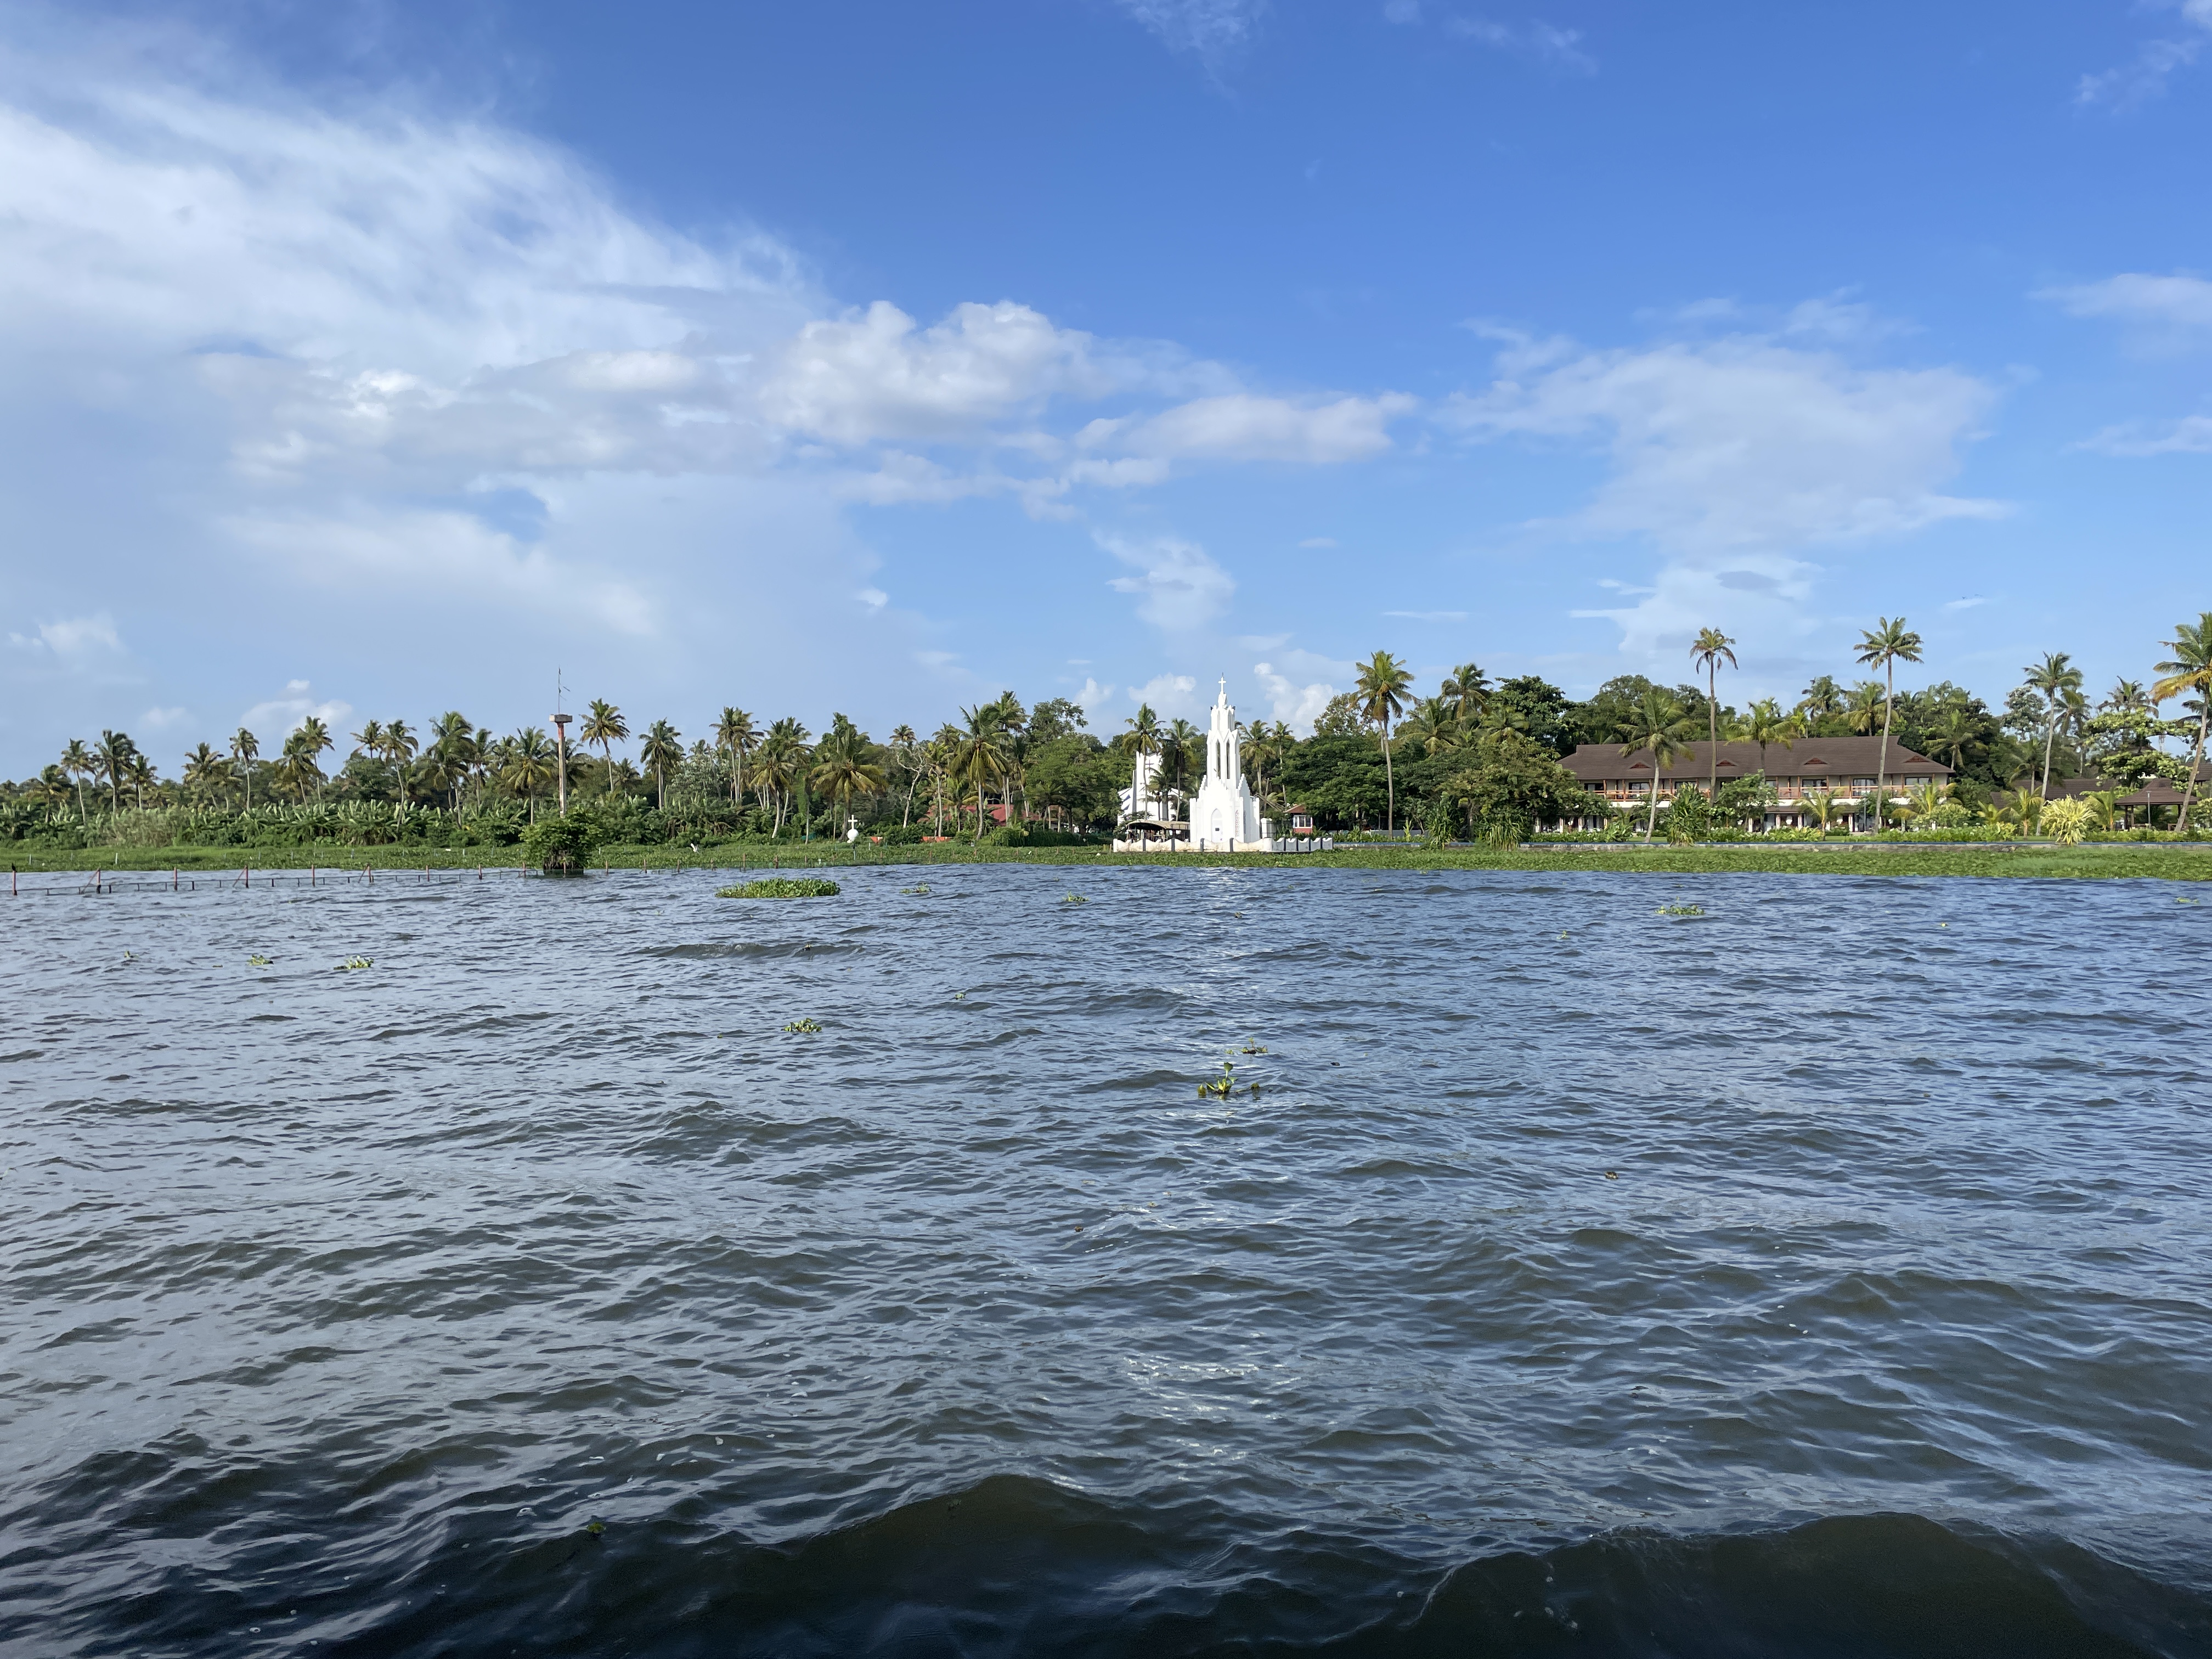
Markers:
point(1220, 1088)
point(805, 1027)
point(1252, 1048)
point(257, 962)
point(781, 887)
point(1075, 898)
point(919, 891)
point(355, 962)
point(1680, 910)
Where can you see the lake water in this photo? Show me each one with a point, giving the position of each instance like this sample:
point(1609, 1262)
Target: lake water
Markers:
point(1825, 1274)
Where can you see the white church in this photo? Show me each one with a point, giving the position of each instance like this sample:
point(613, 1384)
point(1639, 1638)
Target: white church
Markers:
point(1224, 817)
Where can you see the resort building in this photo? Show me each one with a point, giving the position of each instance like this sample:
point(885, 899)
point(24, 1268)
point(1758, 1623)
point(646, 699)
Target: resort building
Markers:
point(1806, 775)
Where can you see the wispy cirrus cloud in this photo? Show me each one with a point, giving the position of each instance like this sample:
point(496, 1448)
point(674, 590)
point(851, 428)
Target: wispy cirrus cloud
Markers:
point(2157, 60)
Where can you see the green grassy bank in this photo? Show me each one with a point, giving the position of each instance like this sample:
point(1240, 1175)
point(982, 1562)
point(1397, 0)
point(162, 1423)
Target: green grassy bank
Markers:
point(2167, 862)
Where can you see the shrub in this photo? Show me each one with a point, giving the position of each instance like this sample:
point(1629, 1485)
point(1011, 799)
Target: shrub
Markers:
point(558, 845)
point(781, 887)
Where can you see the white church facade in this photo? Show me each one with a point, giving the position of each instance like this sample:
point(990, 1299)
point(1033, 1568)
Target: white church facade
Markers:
point(1224, 817)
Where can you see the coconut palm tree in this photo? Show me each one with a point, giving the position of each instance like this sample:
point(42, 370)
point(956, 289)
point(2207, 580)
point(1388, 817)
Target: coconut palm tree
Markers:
point(531, 763)
point(1884, 647)
point(843, 769)
point(1957, 730)
point(1711, 649)
point(1434, 724)
point(1381, 689)
point(1143, 738)
point(1466, 688)
point(1765, 723)
point(245, 749)
point(735, 737)
point(978, 755)
point(205, 774)
point(1183, 744)
point(663, 748)
point(1823, 699)
point(1660, 724)
point(906, 757)
point(77, 761)
point(2189, 669)
point(2128, 697)
point(369, 740)
point(1823, 802)
point(605, 726)
point(112, 756)
point(2054, 676)
point(398, 750)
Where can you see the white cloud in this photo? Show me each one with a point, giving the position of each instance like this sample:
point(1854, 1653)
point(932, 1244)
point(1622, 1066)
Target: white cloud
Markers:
point(874, 597)
point(1745, 443)
point(1167, 694)
point(1429, 616)
point(1546, 42)
point(1244, 427)
point(2155, 62)
point(2161, 312)
point(1966, 604)
point(161, 719)
point(73, 642)
point(1293, 704)
point(1210, 29)
point(1180, 585)
point(1735, 456)
point(2189, 435)
point(1318, 541)
point(285, 714)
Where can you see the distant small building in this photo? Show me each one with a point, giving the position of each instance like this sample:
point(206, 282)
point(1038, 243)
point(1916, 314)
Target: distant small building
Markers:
point(1796, 769)
point(1302, 820)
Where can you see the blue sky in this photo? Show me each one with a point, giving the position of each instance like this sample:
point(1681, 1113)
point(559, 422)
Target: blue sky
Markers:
point(380, 359)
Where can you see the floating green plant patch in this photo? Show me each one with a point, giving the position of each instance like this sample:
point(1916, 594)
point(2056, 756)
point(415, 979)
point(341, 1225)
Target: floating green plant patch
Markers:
point(805, 1027)
point(355, 962)
point(781, 887)
point(1679, 910)
point(257, 962)
point(921, 891)
point(1075, 898)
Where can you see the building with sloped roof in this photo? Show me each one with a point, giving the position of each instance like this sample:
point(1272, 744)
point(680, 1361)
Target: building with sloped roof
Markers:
point(1801, 768)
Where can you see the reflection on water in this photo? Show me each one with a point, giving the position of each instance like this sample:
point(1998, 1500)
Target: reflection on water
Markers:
point(1822, 1274)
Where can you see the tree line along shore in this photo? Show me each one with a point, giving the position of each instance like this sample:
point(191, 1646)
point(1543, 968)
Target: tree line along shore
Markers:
point(1477, 760)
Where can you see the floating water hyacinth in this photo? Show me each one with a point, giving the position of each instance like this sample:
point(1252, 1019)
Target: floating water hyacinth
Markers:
point(1680, 910)
point(1075, 898)
point(257, 962)
point(920, 891)
point(355, 962)
point(781, 887)
point(805, 1027)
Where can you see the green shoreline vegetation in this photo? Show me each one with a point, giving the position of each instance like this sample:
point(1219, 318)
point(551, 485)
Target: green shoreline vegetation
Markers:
point(2185, 862)
point(1471, 778)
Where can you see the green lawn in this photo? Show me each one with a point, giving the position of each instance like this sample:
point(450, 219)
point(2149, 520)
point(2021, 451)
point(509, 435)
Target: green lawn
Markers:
point(2169, 862)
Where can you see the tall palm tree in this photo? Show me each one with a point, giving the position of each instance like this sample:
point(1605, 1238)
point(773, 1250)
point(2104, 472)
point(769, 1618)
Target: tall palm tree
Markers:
point(605, 726)
point(1466, 688)
point(1434, 724)
point(735, 737)
point(77, 761)
point(1958, 728)
point(979, 756)
point(1381, 689)
point(1884, 647)
point(904, 750)
point(2189, 669)
point(1823, 699)
point(369, 740)
point(1143, 738)
point(1766, 724)
point(2054, 676)
point(530, 763)
point(843, 769)
point(1711, 649)
point(143, 778)
point(1659, 724)
point(398, 750)
point(245, 749)
point(2128, 697)
point(205, 773)
point(111, 756)
point(662, 749)
point(1183, 744)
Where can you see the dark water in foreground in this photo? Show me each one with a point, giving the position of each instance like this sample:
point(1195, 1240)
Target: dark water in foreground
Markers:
point(1812, 1277)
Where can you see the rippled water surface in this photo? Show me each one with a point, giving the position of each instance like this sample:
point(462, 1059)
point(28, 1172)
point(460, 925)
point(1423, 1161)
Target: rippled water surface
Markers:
point(1822, 1274)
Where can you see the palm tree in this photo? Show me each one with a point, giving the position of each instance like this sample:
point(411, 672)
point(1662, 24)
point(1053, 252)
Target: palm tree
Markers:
point(735, 737)
point(1662, 726)
point(2188, 669)
point(1381, 689)
point(530, 763)
point(1884, 647)
point(843, 769)
point(904, 749)
point(1958, 729)
point(1711, 649)
point(663, 748)
point(244, 749)
point(605, 726)
point(1466, 688)
point(205, 773)
point(77, 761)
point(2053, 676)
point(979, 757)
point(1823, 699)
point(112, 756)
point(1182, 743)
point(1766, 724)
point(398, 749)
point(1142, 739)
point(2128, 697)
point(1434, 724)
point(1823, 802)
point(369, 740)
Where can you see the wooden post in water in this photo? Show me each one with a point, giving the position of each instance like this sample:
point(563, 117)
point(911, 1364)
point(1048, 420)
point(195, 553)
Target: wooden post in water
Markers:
point(247, 872)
